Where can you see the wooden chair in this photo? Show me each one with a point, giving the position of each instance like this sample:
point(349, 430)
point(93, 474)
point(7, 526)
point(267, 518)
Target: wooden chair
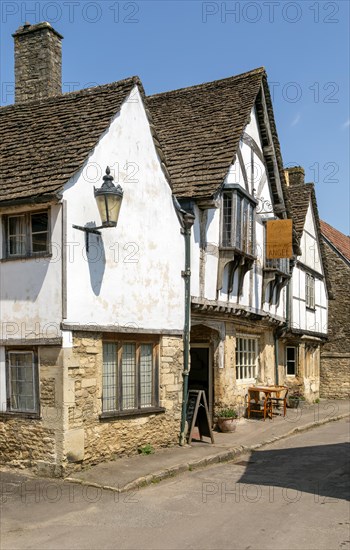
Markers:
point(280, 399)
point(257, 405)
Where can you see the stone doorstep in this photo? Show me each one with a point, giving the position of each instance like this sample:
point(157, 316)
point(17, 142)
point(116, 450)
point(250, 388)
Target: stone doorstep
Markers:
point(207, 461)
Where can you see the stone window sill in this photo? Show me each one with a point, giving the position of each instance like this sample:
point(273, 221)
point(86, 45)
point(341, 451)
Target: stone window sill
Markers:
point(127, 414)
point(25, 258)
point(18, 414)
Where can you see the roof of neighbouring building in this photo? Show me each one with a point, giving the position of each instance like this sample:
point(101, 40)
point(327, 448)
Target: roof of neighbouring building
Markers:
point(340, 241)
point(43, 143)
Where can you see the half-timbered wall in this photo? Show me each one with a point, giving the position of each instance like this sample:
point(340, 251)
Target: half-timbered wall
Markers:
point(250, 174)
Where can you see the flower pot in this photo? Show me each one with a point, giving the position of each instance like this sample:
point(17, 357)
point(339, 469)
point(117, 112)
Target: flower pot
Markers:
point(293, 402)
point(227, 425)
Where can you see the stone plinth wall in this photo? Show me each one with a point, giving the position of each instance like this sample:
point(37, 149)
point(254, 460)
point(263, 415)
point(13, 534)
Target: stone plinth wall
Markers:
point(91, 439)
point(307, 378)
point(237, 396)
point(37, 441)
point(25, 441)
point(335, 354)
point(228, 391)
point(335, 376)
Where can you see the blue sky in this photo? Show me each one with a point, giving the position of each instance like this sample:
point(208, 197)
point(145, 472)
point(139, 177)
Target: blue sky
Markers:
point(303, 45)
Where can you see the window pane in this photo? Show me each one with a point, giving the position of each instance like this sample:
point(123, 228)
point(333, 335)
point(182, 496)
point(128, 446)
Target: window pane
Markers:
point(128, 376)
point(109, 378)
point(246, 355)
point(291, 360)
point(39, 222)
point(238, 222)
point(39, 231)
point(39, 242)
point(227, 224)
point(16, 235)
point(22, 382)
point(244, 246)
point(251, 230)
point(146, 374)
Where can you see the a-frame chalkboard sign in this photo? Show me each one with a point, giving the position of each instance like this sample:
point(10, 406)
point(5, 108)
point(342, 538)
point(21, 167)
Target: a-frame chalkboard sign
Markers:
point(197, 414)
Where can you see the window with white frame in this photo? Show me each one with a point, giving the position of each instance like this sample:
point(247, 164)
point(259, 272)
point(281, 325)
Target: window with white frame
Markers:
point(27, 234)
point(238, 222)
point(310, 291)
point(291, 360)
point(130, 376)
point(246, 357)
point(22, 381)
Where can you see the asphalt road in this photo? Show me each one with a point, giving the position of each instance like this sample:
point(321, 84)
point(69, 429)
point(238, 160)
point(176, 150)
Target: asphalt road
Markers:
point(293, 494)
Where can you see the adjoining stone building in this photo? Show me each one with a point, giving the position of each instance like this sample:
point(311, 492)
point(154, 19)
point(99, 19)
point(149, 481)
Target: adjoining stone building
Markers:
point(335, 355)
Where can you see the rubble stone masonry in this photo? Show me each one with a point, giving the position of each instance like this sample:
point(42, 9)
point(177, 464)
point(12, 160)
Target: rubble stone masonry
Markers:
point(38, 62)
point(90, 439)
point(335, 355)
point(29, 441)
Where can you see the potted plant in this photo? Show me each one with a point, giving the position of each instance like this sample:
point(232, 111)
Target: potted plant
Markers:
point(227, 420)
point(294, 399)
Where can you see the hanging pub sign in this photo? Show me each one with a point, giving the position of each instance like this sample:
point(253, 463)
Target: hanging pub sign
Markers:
point(279, 239)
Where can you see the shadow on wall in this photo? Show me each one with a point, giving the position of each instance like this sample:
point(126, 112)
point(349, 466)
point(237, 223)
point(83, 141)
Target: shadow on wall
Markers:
point(322, 470)
point(97, 262)
point(23, 281)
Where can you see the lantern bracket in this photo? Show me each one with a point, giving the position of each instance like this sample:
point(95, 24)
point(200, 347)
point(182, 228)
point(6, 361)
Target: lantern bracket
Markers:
point(87, 231)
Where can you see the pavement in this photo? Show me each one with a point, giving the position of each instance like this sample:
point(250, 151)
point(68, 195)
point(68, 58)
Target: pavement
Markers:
point(130, 473)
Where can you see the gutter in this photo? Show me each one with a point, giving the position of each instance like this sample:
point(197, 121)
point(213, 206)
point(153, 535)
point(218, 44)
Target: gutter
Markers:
point(39, 199)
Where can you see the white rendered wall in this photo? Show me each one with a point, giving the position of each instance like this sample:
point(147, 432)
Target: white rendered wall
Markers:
point(30, 288)
point(132, 275)
point(303, 318)
point(211, 255)
point(195, 254)
point(309, 244)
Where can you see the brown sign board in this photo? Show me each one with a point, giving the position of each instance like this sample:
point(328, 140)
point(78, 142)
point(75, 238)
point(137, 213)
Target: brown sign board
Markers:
point(279, 239)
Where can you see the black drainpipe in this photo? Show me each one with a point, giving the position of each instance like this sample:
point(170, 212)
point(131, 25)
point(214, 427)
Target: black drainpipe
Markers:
point(188, 221)
point(284, 327)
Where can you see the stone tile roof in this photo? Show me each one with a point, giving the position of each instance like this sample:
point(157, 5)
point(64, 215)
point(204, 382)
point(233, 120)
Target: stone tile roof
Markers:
point(43, 143)
point(299, 198)
point(340, 241)
point(199, 129)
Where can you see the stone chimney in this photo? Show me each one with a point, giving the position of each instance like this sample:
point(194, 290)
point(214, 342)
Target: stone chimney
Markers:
point(294, 176)
point(38, 62)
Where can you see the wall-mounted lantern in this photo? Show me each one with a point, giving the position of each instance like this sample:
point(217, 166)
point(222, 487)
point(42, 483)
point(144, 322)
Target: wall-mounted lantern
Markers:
point(108, 198)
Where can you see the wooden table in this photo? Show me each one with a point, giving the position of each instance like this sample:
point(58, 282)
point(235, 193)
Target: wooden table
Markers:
point(269, 392)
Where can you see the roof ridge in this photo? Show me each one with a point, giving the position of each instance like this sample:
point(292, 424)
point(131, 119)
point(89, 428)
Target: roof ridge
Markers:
point(258, 70)
point(136, 79)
